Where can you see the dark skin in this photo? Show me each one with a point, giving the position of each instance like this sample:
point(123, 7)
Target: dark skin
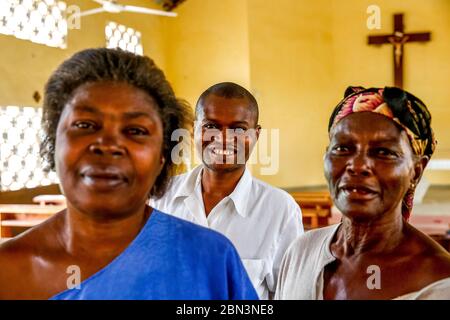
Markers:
point(369, 166)
point(223, 154)
point(109, 142)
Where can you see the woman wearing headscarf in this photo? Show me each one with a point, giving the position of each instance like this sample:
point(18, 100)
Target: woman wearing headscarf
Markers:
point(380, 142)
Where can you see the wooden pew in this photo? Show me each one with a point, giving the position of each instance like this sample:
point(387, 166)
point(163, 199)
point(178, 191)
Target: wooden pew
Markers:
point(24, 216)
point(316, 208)
point(50, 199)
point(19, 211)
point(25, 196)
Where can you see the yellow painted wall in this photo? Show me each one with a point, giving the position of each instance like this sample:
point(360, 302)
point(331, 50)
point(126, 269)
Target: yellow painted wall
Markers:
point(206, 44)
point(26, 66)
point(290, 49)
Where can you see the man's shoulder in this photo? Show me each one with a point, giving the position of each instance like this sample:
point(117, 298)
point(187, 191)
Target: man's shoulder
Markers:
point(184, 180)
point(176, 182)
point(274, 195)
point(167, 201)
point(180, 178)
point(267, 189)
point(267, 201)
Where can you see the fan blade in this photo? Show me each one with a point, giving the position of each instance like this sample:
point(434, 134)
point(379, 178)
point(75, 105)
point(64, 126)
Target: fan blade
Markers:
point(90, 12)
point(148, 11)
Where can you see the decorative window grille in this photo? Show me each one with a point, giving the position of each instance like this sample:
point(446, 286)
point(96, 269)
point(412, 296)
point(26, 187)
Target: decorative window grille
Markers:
point(20, 162)
point(120, 36)
point(40, 21)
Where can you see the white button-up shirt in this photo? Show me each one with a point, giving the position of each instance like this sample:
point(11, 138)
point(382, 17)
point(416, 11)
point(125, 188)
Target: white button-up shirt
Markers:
point(260, 220)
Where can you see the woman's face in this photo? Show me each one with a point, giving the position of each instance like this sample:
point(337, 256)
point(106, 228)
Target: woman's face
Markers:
point(369, 166)
point(108, 150)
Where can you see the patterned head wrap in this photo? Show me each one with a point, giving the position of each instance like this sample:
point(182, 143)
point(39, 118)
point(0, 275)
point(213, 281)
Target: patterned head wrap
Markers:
point(407, 111)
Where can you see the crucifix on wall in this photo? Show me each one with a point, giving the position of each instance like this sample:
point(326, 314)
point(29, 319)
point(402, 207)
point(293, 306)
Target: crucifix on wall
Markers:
point(398, 40)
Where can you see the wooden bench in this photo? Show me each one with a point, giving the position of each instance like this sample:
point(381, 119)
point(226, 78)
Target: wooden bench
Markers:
point(316, 208)
point(24, 216)
point(47, 199)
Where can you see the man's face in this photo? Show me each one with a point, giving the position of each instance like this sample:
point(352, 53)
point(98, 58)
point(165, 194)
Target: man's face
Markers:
point(226, 131)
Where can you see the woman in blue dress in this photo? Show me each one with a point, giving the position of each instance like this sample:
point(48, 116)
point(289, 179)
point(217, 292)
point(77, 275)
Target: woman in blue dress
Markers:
point(108, 118)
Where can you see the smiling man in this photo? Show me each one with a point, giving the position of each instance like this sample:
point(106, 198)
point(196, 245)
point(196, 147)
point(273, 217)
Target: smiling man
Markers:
point(221, 193)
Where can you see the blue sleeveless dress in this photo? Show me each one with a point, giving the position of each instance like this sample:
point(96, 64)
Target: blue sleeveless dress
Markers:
point(170, 259)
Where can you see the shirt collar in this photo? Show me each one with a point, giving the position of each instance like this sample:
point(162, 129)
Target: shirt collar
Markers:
point(239, 196)
point(189, 184)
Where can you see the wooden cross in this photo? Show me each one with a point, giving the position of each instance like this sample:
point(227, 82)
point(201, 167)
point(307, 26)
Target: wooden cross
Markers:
point(398, 39)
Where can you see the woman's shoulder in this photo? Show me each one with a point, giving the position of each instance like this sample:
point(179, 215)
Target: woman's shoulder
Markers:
point(433, 259)
point(426, 246)
point(312, 242)
point(437, 262)
point(26, 244)
point(314, 238)
point(20, 244)
point(438, 290)
point(16, 261)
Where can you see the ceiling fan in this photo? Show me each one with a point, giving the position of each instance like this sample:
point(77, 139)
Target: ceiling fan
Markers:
point(112, 6)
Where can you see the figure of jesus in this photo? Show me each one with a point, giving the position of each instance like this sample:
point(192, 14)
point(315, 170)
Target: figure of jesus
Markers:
point(398, 40)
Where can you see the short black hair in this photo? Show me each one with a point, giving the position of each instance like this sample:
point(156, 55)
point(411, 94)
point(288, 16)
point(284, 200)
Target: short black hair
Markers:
point(104, 65)
point(229, 90)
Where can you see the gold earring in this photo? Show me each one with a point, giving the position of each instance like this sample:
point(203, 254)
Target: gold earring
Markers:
point(413, 185)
